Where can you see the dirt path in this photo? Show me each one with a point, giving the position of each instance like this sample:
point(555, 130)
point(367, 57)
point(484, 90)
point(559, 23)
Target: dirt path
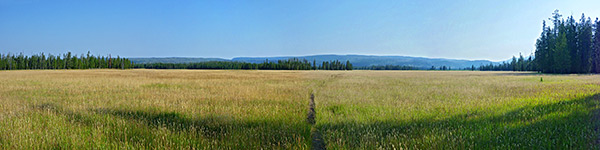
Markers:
point(317, 140)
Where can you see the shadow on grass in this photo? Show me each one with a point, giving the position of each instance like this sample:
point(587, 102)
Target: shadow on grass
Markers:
point(70, 115)
point(143, 128)
point(210, 127)
point(568, 124)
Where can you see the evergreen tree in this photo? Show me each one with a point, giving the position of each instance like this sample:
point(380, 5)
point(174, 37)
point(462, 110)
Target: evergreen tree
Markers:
point(513, 64)
point(348, 65)
point(541, 46)
point(562, 57)
point(596, 47)
point(584, 45)
point(567, 47)
point(521, 63)
point(570, 31)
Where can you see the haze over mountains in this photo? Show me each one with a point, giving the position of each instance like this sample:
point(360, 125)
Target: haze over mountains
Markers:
point(356, 60)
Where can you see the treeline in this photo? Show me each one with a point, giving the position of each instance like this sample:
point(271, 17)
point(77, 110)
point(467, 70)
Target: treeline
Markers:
point(520, 64)
point(565, 46)
point(291, 64)
point(387, 67)
point(403, 67)
point(568, 46)
point(67, 61)
point(440, 68)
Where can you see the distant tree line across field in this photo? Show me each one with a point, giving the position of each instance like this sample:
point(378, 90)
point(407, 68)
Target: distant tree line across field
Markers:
point(516, 64)
point(67, 61)
point(387, 67)
point(290, 64)
point(70, 61)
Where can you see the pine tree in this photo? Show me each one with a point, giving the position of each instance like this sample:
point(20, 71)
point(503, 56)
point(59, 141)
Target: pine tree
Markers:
point(570, 31)
point(541, 49)
point(562, 58)
point(348, 65)
point(513, 64)
point(521, 63)
point(584, 44)
point(596, 47)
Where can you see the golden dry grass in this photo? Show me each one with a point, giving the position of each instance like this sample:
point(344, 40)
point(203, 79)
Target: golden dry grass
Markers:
point(233, 109)
point(153, 108)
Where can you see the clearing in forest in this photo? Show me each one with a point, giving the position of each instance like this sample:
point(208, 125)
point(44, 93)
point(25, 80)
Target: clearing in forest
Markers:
point(253, 109)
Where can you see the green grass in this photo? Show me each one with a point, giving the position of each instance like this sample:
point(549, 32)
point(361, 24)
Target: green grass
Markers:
point(458, 110)
point(236, 109)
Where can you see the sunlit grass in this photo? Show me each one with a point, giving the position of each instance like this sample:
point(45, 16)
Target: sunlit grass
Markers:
point(153, 109)
point(236, 109)
point(442, 110)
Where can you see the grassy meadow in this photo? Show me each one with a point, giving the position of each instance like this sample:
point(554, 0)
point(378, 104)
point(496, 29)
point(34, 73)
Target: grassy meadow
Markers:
point(251, 109)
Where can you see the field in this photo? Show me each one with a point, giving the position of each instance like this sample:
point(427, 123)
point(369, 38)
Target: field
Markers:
point(250, 109)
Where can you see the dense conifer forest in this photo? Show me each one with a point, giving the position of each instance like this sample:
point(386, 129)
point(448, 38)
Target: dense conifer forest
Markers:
point(564, 46)
point(291, 64)
point(66, 61)
point(568, 46)
point(70, 61)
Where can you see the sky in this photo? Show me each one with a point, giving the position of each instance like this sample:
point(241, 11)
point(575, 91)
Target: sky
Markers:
point(470, 29)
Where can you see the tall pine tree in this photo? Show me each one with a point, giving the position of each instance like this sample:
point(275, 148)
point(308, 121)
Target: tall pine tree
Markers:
point(596, 47)
point(570, 30)
point(584, 44)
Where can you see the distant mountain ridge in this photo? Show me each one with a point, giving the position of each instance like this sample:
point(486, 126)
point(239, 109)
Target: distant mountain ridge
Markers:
point(369, 60)
point(356, 60)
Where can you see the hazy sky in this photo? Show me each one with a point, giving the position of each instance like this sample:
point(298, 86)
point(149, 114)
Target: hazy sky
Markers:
point(478, 29)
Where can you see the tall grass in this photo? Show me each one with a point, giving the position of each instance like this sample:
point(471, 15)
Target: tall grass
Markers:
point(235, 109)
point(153, 109)
point(457, 110)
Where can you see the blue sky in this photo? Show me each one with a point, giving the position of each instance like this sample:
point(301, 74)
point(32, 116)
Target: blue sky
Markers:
point(494, 30)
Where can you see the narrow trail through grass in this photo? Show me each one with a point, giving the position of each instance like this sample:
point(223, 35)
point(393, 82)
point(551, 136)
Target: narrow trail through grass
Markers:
point(317, 140)
point(318, 143)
